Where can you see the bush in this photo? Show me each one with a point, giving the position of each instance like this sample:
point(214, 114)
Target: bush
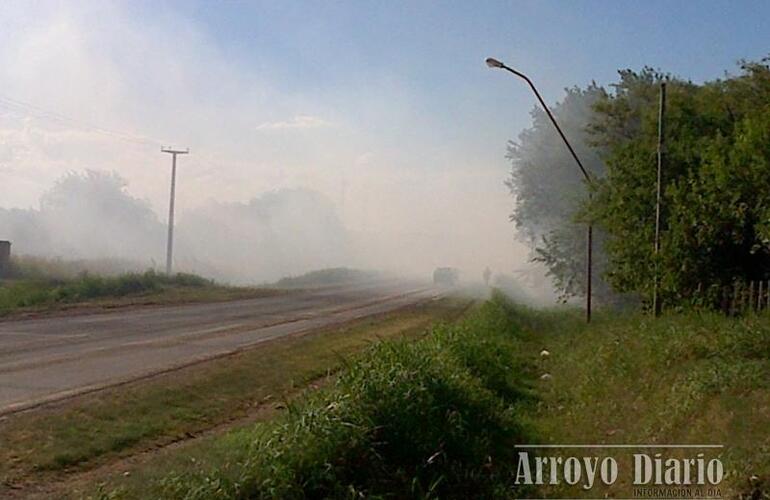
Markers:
point(326, 277)
point(44, 290)
point(427, 419)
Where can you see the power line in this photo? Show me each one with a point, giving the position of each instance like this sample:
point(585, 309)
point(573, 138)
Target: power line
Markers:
point(39, 112)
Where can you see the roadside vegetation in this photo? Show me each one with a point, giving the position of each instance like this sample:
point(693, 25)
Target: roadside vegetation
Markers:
point(44, 446)
point(327, 277)
point(714, 229)
point(694, 377)
point(35, 284)
point(439, 417)
point(429, 418)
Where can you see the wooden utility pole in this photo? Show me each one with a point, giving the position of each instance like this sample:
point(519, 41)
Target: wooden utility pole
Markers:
point(656, 305)
point(170, 241)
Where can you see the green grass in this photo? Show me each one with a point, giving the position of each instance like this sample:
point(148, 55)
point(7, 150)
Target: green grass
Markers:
point(30, 267)
point(35, 292)
point(438, 418)
point(36, 284)
point(427, 419)
point(326, 277)
point(39, 446)
point(686, 378)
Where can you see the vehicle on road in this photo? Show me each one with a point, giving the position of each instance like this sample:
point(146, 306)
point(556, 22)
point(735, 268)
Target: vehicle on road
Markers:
point(448, 276)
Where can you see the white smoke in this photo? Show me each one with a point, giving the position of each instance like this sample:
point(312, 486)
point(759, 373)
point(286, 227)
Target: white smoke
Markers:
point(91, 215)
point(277, 234)
point(85, 216)
point(107, 83)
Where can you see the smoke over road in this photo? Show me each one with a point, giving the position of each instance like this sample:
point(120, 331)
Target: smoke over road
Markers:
point(93, 216)
point(287, 171)
point(277, 234)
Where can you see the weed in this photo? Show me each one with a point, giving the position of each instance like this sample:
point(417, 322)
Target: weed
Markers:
point(426, 419)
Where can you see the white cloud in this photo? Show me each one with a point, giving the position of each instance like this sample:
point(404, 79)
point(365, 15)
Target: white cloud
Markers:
point(298, 122)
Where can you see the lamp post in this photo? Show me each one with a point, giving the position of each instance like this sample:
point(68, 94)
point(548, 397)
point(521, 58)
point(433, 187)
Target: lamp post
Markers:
point(494, 63)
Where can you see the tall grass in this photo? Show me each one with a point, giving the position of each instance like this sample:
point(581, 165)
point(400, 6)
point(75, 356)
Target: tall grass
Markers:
point(438, 418)
point(690, 377)
point(26, 267)
point(43, 290)
point(326, 277)
point(429, 419)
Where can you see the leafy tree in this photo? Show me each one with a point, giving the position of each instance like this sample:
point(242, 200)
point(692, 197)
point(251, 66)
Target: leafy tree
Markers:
point(549, 191)
point(716, 217)
point(86, 215)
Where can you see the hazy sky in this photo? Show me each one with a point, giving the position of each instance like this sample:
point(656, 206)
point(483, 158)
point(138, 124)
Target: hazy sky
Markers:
point(385, 107)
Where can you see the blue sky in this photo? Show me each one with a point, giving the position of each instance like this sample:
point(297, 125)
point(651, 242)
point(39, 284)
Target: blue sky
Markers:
point(387, 108)
point(434, 51)
point(435, 44)
point(438, 48)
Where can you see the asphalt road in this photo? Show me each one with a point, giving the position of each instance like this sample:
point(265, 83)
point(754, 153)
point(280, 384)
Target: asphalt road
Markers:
point(52, 358)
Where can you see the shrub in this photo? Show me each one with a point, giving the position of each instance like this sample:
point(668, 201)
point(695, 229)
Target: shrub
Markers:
point(426, 419)
point(43, 290)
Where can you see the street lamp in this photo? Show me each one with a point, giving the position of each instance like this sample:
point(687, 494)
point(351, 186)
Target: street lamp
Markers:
point(494, 63)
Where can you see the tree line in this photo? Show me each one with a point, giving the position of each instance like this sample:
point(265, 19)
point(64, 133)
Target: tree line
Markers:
point(715, 230)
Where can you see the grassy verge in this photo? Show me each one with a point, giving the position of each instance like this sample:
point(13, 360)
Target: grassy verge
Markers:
point(690, 378)
point(42, 445)
point(327, 277)
point(439, 418)
point(428, 419)
point(39, 293)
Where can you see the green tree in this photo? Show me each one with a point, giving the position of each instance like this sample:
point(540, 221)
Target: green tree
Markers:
point(549, 192)
point(716, 217)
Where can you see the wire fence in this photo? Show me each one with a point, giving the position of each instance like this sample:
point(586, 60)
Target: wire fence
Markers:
point(739, 298)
